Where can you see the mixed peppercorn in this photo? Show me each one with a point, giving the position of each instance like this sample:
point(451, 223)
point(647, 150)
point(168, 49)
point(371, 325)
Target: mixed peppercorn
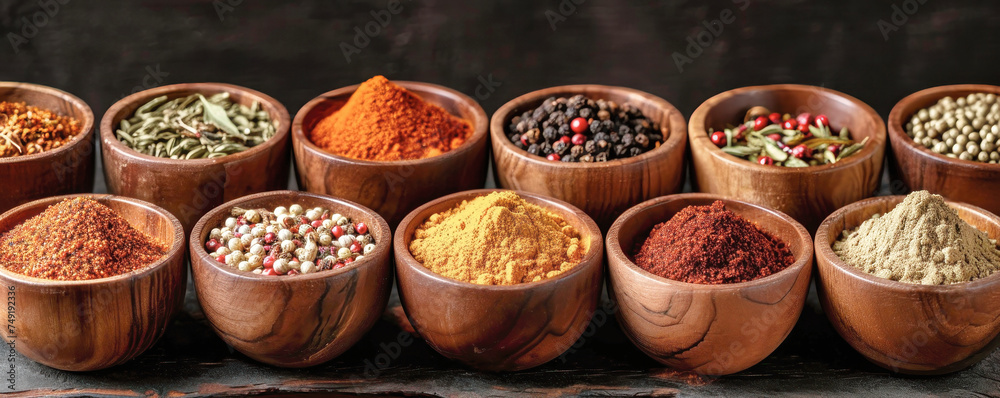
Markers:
point(581, 129)
point(27, 130)
point(288, 241)
point(770, 138)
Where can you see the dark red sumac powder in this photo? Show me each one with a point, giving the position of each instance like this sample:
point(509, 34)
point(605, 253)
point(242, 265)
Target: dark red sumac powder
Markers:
point(711, 245)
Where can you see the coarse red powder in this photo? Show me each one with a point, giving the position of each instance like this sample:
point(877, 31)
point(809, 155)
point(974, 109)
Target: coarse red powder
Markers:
point(711, 245)
point(77, 239)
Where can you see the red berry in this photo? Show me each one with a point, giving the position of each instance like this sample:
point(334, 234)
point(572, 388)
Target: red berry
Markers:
point(292, 272)
point(804, 128)
point(765, 160)
point(355, 247)
point(338, 265)
point(821, 120)
point(801, 151)
point(267, 248)
point(579, 125)
point(760, 123)
point(337, 231)
point(553, 157)
point(269, 262)
point(269, 272)
point(790, 124)
point(775, 137)
point(349, 260)
point(524, 139)
point(579, 139)
point(361, 228)
point(718, 138)
point(221, 258)
point(317, 224)
point(270, 237)
point(326, 215)
point(237, 235)
point(804, 119)
point(212, 245)
point(774, 117)
point(565, 139)
point(835, 149)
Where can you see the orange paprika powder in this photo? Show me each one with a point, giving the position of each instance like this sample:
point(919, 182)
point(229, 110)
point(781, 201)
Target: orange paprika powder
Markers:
point(384, 122)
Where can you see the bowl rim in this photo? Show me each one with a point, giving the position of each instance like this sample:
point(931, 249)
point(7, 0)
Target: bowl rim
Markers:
point(175, 251)
point(897, 133)
point(279, 116)
point(478, 122)
point(676, 139)
point(594, 256)
point(197, 247)
point(618, 258)
point(85, 131)
point(698, 131)
point(840, 266)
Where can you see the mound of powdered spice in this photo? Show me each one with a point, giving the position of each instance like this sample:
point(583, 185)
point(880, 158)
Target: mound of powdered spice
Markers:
point(711, 245)
point(385, 122)
point(77, 239)
point(923, 241)
point(497, 239)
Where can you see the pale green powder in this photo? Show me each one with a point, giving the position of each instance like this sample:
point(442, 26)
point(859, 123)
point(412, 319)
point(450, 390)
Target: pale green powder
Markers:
point(921, 241)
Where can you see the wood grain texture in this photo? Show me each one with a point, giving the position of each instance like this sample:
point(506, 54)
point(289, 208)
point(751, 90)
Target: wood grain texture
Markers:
point(807, 194)
point(293, 321)
point(65, 170)
point(908, 328)
point(188, 188)
point(96, 324)
point(392, 189)
point(921, 169)
point(500, 328)
point(602, 189)
point(706, 329)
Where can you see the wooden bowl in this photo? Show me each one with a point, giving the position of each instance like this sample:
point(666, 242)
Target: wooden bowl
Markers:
point(807, 194)
point(293, 321)
point(921, 169)
point(392, 189)
point(64, 170)
point(500, 328)
point(189, 188)
point(98, 323)
point(903, 327)
point(707, 329)
point(603, 190)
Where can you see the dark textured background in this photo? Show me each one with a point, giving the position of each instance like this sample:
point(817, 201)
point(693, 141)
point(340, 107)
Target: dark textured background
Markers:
point(101, 51)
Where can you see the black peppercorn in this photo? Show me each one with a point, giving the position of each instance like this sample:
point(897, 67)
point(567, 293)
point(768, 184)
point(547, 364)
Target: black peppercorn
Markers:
point(601, 157)
point(634, 151)
point(595, 127)
point(565, 130)
point(587, 158)
point(533, 149)
point(590, 146)
point(549, 134)
point(601, 137)
point(560, 147)
point(620, 150)
point(546, 148)
point(628, 139)
point(576, 150)
point(586, 113)
point(642, 140)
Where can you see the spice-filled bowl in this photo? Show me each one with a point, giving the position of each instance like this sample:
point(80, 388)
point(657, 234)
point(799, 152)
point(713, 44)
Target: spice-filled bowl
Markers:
point(84, 325)
point(292, 320)
point(499, 327)
point(390, 187)
point(926, 167)
point(905, 327)
point(713, 329)
point(210, 164)
point(603, 189)
point(810, 193)
point(64, 169)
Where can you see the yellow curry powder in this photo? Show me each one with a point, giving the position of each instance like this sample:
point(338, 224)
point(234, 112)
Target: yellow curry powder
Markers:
point(498, 239)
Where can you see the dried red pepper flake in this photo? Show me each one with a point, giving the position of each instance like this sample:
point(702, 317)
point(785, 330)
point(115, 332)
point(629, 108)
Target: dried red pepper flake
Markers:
point(27, 130)
point(77, 239)
point(711, 245)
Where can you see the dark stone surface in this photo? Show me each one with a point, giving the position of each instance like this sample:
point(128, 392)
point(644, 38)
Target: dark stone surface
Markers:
point(101, 51)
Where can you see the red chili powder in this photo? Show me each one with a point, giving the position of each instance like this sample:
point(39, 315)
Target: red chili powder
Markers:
point(77, 239)
point(711, 245)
